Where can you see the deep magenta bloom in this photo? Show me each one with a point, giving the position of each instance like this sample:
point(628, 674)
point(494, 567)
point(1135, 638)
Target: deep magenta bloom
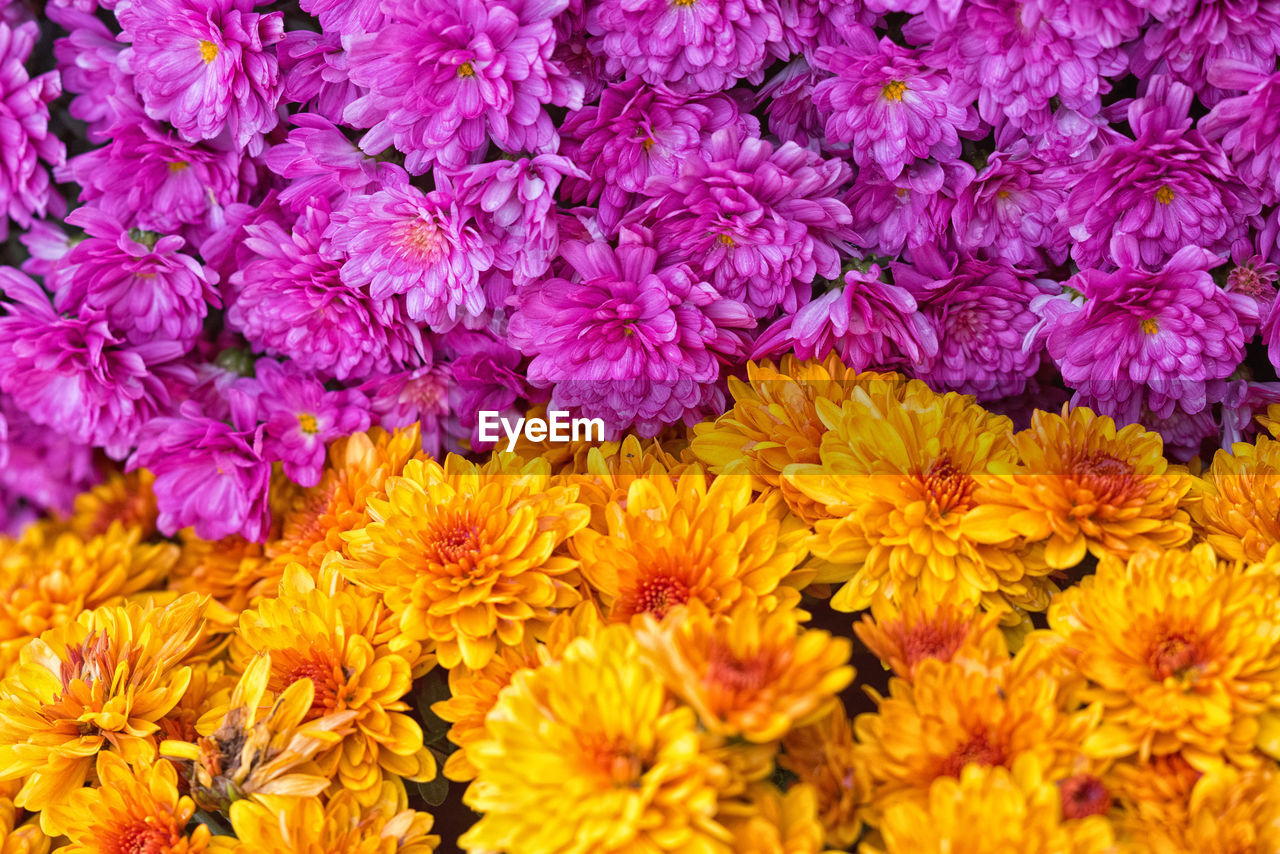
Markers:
point(787, 99)
point(346, 17)
point(486, 377)
point(940, 13)
point(77, 376)
point(88, 62)
point(400, 240)
point(26, 146)
point(206, 66)
point(887, 106)
point(908, 212)
point(39, 468)
point(636, 132)
point(301, 416)
point(1111, 22)
point(316, 73)
point(1166, 333)
point(1168, 188)
point(869, 324)
point(445, 76)
point(322, 165)
point(290, 301)
point(1248, 126)
point(420, 396)
point(143, 283)
point(701, 46)
point(755, 221)
point(626, 340)
point(210, 475)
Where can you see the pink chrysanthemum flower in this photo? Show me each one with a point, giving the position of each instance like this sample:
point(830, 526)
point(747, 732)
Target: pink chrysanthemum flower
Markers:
point(88, 63)
point(346, 17)
point(891, 216)
point(26, 146)
point(206, 66)
point(323, 166)
point(417, 397)
point(1248, 126)
point(316, 73)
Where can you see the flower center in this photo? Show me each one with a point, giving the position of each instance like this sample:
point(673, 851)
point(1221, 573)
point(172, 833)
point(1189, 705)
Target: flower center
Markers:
point(946, 489)
point(453, 542)
point(894, 90)
point(140, 837)
point(726, 240)
point(1110, 479)
point(649, 142)
point(939, 638)
point(659, 594)
point(325, 680)
point(741, 676)
point(420, 238)
point(613, 758)
point(683, 2)
point(1150, 326)
point(1082, 796)
point(89, 661)
point(978, 750)
point(308, 423)
point(1247, 279)
point(1002, 194)
point(208, 51)
point(1175, 655)
point(466, 69)
point(179, 166)
point(1164, 195)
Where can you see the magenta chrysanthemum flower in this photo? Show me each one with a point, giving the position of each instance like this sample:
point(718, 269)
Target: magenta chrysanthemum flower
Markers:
point(420, 396)
point(322, 165)
point(787, 100)
point(1168, 187)
point(982, 311)
point(346, 17)
point(940, 13)
point(908, 212)
point(88, 62)
point(755, 221)
point(290, 301)
point(1248, 126)
point(26, 146)
point(400, 240)
point(316, 73)
point(210, 475)
point(1111, 22)
point(869, 324)
point(701, 46)
point(626, 341)
point(636, 132)
point(1010, 208)
point(887, 105)
point(206, 66)
point(144, 285)
point(486, 378)
point(300, 416)
point(1167, 332)
point(41, 468)
point(445, 76)
point(75, 374)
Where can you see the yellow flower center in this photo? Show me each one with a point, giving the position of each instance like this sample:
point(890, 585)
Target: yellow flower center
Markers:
point(658, 594)
point(939, 638)
point(1002, 194)
point(683, 2)
point(466, 69)
point(741, 676)
point(308, 423)
point(453, 541)
point(1109, 479)
point(327, 680)
point(978, 750)
point(1175, 655)
point(894, 90)
point(1164, 195)
point(613, 758)
point(208, 51)
point(649, 143)
point(726, 240)
point(156, 834)
point(179, 166)
point(419, 237)
point(946, 489)
point(1150, 326)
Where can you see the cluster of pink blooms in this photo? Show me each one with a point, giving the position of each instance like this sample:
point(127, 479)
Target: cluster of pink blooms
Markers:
point(235, 230)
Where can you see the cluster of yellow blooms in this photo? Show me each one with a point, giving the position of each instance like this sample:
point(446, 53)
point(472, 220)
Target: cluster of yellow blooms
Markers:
point(1082, 640)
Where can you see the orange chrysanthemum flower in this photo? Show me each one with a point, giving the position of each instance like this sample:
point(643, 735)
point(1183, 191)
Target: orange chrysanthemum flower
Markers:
point(745, 673)
point(911, 632)
point(898, 474)
point(824, 756)
point(1182, 652)
point(1236, 506)
point(48, 579)
point(593, 740)
point(1153, 799)
point(952, 715)
point(19, 834)
point(467, 555)
point(774, 423)
point(327, 634)
point(770, 822)
point(1080, 485)
point(101, 682)
point(123, 498)
point(674, 542)
point(136, 809)
point(233, 571)
point(276, 824)
point(609, 472)
point(990, 809)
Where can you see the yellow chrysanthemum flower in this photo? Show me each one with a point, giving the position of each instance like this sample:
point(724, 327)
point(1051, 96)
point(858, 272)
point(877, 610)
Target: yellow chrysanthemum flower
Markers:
point(952, 715)
point(611, 469)
point(466, 555)
point(123, 498)
point(774, 423)
point(1080, 485)
point(748, 674)
point(48, 579)
point(990, 809)
point(232, 570)
point(132, 809)
point(1236, 506)
point(899, 474)
point(593, 740)
point(277, 824)
point(101, 682)
point(824, 756)
point(242, 752)
point(326, 633)
point(674, 542)
point(19, 833)
point(1153, 799)
point(1182, 652)
point(905, 634)
point(770, 822)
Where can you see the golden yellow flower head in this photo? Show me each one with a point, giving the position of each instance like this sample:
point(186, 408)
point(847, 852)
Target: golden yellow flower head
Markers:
point(610, 470)
point(326, 634)
point(19, 833)
point(770, 822)
point(131, 809)
point(1237, 505)
point(748, 674)
point(1080, 485)
point(899, 474)
point(905, 634)
point(594, 740)
point(123, 498)
point(467, 555)
point(823, 755)
point(232, 570)
point(990, 809)
point(48, 579)
point(1182, 651)
point(1153, 799)
point(277, 824)
point(674, 542)
point(101, 682)
point(774, 423)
